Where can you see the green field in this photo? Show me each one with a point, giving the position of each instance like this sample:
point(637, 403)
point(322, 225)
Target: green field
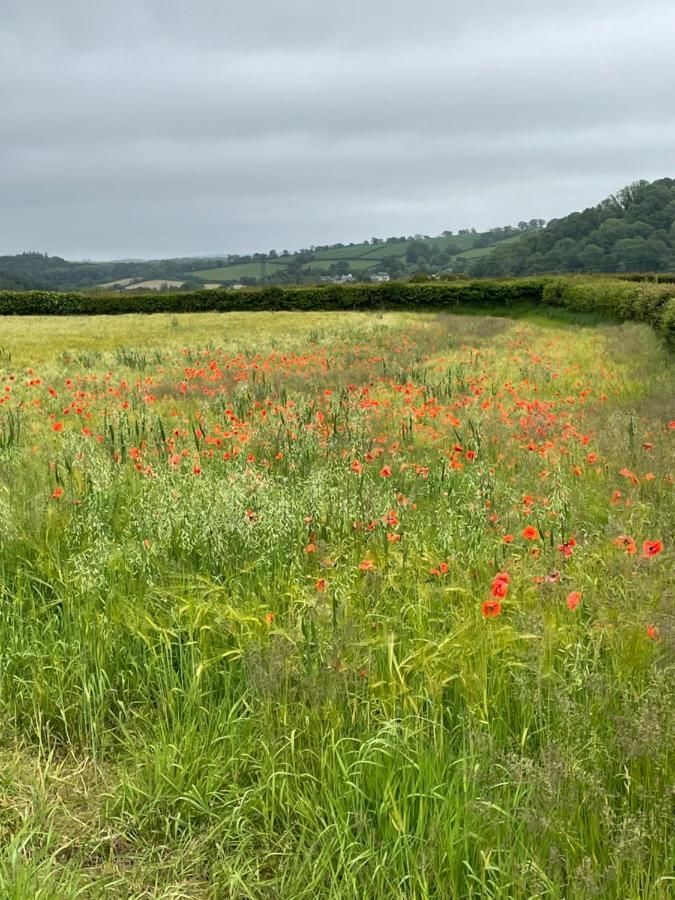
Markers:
point(360, 257)
point(335, 605)
point(233, 273)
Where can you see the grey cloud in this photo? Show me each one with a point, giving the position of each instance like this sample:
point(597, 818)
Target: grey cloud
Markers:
point(165, 128)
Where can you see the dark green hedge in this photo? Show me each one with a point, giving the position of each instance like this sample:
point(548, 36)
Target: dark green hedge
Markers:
point(618, 299)
point(328, 297)
point(641, 301)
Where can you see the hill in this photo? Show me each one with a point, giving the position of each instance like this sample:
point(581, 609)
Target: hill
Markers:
point(396, 256)
point(631, 231)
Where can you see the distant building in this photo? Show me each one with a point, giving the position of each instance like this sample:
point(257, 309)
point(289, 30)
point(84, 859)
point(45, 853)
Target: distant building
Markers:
point(379, 277)
point(336, 279)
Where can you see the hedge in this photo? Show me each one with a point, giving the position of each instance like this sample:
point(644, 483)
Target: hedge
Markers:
point(640, 301)
point(618, 299)
point(329, 297)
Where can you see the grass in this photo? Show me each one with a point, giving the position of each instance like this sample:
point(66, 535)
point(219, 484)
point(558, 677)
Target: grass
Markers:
point(236, 271)
point(245, 652)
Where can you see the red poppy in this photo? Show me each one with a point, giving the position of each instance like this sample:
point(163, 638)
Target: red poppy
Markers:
point(567, 548)
point(57, 426)
point(508, 539)
point(627, 543)
point(651, 548)
point(385, 472)
point(573, 600)
point(320, 584)
point(652, 632)
point(530, 533)
point(628, 474)
point(500, 585)
point(366, 564)
point(491, 609)
point(57, 493)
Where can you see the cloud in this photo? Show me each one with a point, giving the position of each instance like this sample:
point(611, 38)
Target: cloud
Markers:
point(162, 128)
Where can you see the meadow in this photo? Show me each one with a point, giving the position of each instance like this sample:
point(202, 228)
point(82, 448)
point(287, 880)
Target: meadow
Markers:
point(336, 605)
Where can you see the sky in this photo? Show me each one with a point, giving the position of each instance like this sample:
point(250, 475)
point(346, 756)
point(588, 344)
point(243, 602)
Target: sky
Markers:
point(160, 128)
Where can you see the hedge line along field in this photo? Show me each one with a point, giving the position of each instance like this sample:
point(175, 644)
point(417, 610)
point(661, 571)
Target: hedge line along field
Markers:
point(347, 605)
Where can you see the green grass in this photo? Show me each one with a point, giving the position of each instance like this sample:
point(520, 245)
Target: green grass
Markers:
point(204, 693)
point(234, 272)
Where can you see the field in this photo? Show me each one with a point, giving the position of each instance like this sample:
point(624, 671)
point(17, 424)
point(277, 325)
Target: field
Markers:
point(361, 257)
point(335, 605)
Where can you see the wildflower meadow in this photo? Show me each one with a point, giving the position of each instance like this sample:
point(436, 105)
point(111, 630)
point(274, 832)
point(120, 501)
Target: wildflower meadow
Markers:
point(336, 605)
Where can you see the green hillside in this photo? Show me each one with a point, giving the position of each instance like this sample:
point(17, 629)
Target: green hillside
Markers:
point(398, 257)
point(631, 231)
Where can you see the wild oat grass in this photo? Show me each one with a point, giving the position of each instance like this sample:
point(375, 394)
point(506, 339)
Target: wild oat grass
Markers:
point(343, 606)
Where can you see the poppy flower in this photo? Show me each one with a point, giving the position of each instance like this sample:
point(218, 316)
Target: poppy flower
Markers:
point(567, 548)
point(57, 493)
point(652, 632)
point(269, 618)
point(320, 584)
point(573, 600)
point(628, 474)
point(491, 609)
point(627, 543)
point(366, 564)
point(392, 537)
point(57, 426)
point(530, 533)
point(385, 472)
point(500, 585)
point(651, 548)
point(507, 539)
point(310, 548)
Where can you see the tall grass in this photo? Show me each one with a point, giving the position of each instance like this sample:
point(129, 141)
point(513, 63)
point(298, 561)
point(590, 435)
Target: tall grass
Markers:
point(243, 649)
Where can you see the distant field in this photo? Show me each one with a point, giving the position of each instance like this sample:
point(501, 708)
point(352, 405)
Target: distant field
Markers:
point(355, 265)
point(360, 257)
point(232, 273)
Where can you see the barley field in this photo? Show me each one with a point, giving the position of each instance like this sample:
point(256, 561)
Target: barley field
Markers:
point(311, 605)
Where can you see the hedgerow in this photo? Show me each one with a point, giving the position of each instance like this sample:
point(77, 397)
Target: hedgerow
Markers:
point(614, 298)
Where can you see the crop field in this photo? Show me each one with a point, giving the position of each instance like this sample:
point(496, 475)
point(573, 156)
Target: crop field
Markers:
point(336, 605)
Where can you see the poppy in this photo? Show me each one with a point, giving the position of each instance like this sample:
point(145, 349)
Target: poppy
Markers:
point(57, 493)
point(507, 539)
point(385, 472)
point(627, 543)
point(573, 600)
point(567, 548)
point(530, 533)
point(652, 632)
point(651, 548)
point(500, 585)
point(366, 564)
point(491, 609)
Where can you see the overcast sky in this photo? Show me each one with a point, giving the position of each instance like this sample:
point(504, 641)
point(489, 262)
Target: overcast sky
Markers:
point(150, 128)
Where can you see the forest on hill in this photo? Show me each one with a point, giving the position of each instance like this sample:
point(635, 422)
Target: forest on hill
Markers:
point(631, 231)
